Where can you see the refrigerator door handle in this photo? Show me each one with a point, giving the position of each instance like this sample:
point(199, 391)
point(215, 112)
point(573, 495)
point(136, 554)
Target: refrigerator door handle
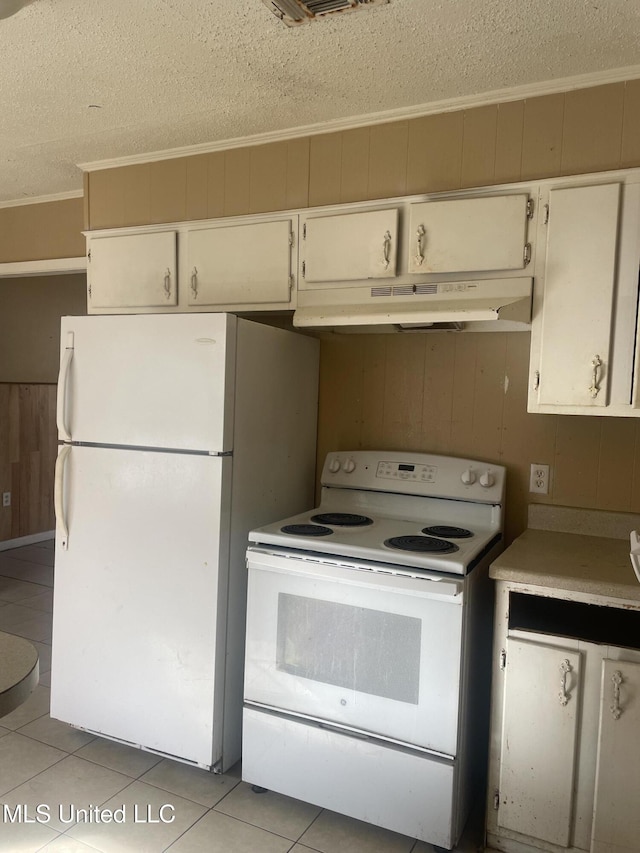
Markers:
point(61, 523)
point(65, 363)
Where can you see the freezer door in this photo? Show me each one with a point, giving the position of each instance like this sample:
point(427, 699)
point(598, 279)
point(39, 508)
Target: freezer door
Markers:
point(140, 598)
point(148, 381)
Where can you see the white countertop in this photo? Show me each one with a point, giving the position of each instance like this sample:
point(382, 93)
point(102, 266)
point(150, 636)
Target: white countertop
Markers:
point(19, 672)
point(569, 561)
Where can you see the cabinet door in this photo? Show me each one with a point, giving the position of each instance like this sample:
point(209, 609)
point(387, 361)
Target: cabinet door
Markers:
point(240, 264)
point(470, 234)
point(133, 271)
point(538, 749)
point(578, 296)
point(350, 246)
point(616, 824)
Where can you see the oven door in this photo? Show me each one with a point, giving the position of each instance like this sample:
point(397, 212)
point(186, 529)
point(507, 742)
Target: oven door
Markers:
point(354, 647)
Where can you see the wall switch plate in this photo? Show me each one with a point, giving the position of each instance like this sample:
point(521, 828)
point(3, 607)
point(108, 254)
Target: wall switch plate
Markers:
point(539, 479)
point(6, 499)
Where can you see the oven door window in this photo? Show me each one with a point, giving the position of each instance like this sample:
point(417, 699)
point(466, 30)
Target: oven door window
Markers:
point(358, 648)
point(371, 652)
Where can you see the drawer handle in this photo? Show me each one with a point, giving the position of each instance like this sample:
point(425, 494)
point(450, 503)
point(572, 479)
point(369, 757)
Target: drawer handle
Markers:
point(565, 669)
point(419, 258)
point(194, 283)
point(386, 250)
point(596, 364)
point(167, 283)
point(616, 710)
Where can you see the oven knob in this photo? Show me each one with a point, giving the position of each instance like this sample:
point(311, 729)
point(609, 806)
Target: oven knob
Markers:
point(334, 465)
point(487, 480)
point(348, 466)
point(468, 477)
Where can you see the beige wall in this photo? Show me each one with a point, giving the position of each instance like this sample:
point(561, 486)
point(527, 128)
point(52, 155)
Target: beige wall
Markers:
point(30, 311)
point(461, 394)
point(37, 232)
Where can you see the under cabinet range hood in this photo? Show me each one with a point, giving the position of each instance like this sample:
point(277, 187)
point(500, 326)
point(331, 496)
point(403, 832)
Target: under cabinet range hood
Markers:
point(449, 305)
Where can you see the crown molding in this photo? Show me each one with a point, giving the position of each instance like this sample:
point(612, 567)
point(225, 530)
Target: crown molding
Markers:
point(53, 266)
point(42, 199)
point(514, 93)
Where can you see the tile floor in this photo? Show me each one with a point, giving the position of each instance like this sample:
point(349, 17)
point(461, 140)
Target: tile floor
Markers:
point(46, 763)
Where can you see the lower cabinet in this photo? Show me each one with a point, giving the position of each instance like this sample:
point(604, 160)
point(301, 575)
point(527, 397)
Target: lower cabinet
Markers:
point(564, 771)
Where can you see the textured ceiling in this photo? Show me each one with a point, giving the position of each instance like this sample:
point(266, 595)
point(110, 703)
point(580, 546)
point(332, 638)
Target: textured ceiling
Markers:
point(86, 80)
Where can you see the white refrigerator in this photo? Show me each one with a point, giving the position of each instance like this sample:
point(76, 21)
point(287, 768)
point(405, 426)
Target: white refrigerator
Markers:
point(178, 435)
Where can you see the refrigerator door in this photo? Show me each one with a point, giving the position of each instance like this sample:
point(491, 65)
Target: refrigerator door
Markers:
point(140, 598)
point(148, 380)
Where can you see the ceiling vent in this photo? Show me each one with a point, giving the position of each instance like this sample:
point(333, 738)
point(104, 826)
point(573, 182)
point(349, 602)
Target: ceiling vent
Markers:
point(295, 12)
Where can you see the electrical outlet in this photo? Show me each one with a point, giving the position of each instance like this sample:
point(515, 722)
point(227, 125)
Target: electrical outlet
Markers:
point(539, 479)
point(6, 499)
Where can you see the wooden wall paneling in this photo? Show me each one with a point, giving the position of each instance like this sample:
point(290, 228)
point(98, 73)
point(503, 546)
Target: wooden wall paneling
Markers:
point(374, 352)
point(437, 398)
point(106, 197)
point(137, 195)
point(575, 480)
point(354, 175)
point(297, 190)
point(268, 183)
point(35, 232)
point(542, 137)
point(634, 503)
point(237, 181)
point(197, 186)
point(489, 395)
point(463, 399)
point(615, 469)
point(5, 459)
point(434, 155)
point(592, 131)
point(479, 146)
point(340, 394)
point(168, 190)
point(630, 153)
point(404, 391)
point(86, 206)
point(325, 168)
point(509, 131)
point(388, 146)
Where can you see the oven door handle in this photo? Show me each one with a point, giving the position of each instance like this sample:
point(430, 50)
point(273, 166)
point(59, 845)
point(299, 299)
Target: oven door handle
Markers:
point(358, 574)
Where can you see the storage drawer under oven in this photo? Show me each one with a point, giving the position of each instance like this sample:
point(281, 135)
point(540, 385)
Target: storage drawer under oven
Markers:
point(366, 650)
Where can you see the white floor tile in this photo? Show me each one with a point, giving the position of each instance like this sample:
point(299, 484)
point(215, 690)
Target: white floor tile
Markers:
point(31, 554)
point(333, 833)
point(37, 627)
point(24, 571)
point(20, 837)
point(14, 614)
point(140, 804)
point(17, 590)
point(273, 812)
point(43, 601)
point(71, 783)
point(36, 705)
point(57, 734)
point(217, 833)
point(64, 844)
point(119, 757)
point(22, 758)
point(190, 782)
point(44, 655)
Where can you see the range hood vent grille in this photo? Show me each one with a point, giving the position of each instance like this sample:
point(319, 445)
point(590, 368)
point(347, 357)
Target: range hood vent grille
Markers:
point(295, 12)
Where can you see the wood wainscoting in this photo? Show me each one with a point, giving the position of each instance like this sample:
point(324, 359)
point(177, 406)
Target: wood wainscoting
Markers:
point(28, 447)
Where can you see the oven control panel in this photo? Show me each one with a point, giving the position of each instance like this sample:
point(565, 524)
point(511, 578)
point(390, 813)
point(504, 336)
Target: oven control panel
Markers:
point(426, 474)
point(407, 471)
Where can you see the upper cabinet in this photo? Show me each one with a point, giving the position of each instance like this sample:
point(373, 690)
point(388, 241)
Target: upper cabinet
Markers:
point(469, 235)
point(239, 264)
point(349, 246)
point(585, 319)
point(135, 271)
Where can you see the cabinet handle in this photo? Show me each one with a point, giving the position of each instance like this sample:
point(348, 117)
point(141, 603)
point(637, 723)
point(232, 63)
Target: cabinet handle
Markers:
point(616, 710)
point(419, 258)
point(167, 283)
point(565, 669)
point(194, 283)
point(386, 249)
point(536, 380)
point(596, 364)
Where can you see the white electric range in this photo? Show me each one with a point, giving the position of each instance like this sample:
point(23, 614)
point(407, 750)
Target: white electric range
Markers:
point(368, 641)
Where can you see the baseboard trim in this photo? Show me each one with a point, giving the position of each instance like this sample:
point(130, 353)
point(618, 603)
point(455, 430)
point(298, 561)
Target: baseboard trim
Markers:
point(33, 539)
